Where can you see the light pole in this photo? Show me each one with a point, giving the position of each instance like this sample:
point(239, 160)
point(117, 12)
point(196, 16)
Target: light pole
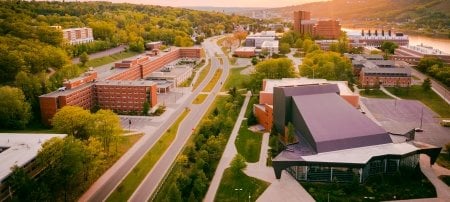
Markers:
point(238, 189)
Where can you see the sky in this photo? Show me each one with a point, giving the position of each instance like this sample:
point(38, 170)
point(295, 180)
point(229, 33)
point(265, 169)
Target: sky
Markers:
point(219, 3)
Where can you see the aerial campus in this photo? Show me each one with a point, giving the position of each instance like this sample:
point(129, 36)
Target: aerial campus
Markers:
point(340, 100)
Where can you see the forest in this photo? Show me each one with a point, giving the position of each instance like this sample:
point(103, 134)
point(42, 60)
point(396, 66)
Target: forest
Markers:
point(35, 58)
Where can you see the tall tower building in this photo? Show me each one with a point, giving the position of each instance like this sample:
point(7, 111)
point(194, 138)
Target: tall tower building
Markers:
point(300, 16)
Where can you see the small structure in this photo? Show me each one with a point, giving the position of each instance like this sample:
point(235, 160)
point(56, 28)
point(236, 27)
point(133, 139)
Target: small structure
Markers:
point(20, 150)
point(156, 45)
point(245, 52)
point(270, 46)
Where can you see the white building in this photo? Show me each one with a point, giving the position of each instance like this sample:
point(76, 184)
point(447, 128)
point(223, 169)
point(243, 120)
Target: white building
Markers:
point(256, 40)
point(270, 46)
point(78, 35)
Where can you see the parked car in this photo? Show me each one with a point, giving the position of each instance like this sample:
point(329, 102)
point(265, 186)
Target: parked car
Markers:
point(445, 123)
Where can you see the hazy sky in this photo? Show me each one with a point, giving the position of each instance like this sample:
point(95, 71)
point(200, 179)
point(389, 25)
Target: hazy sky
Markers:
point(219, 3)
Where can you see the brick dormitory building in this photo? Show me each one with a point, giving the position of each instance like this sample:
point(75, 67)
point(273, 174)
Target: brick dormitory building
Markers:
point(121, 88)
point(324, 28)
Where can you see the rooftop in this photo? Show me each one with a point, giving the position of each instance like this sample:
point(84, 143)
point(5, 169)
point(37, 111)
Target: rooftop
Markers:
point(380, 70)
point(269, 44)
point(21, 149)
point(425, 50)
point(174, 72)
point(125, 83)
point(271, 83)
point(335, 125)
point(245, 49)
point(76, 28)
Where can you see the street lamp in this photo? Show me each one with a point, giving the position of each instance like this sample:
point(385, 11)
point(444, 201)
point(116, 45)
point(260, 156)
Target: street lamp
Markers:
point(238, 189)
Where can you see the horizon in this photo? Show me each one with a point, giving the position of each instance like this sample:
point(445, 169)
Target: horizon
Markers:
point(218, 3)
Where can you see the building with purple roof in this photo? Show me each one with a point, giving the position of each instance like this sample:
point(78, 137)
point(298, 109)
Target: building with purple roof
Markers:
point(335, 141)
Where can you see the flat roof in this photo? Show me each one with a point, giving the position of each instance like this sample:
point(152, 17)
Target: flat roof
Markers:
point(334, 124)
point(388, 70)
point(360, 155)
point(271, 83)
point(125, 83)
point(245, 49)
point(174, 72)
point(429, 50)
point(270, 44)
point(58, 93)
point(21, 149)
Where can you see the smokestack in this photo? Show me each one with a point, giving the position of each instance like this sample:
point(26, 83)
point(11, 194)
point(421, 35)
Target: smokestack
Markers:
point(362, 32)
point(389, 32)
point(376, 32)
point(370, 34)
point(382, 32)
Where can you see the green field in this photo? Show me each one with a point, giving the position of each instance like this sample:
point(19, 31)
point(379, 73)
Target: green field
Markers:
point(236, 79)
point(135, 177)
point(248, 143)
point(443, 160)
point(374, 93)
point(110, 59)
point(249, 185)
point(429, 98)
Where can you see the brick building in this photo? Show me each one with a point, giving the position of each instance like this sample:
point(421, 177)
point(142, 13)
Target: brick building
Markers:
point(264, 109)
point(119, 89)
point(78, 35)
point(245, 52)
point(327, 29)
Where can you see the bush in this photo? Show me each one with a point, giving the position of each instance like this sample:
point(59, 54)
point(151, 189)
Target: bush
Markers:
point(238, 163)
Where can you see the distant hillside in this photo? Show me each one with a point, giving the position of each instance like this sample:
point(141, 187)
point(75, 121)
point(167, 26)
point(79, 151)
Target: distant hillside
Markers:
point(224, 9)
point(425, 16)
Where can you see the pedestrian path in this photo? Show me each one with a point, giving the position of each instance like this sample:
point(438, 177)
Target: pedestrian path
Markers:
point(442, 190)
point(389, 93)
point(228, 154)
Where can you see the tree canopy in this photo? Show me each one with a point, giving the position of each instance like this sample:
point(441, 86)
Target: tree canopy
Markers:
point(327, 65)
point(14, 110)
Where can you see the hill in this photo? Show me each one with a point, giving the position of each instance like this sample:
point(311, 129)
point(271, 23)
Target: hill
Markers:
point(429, 16)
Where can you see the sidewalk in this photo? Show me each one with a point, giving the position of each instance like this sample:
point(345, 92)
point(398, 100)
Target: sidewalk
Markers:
point(228, 154)
point(442, 190)
point(389, 93)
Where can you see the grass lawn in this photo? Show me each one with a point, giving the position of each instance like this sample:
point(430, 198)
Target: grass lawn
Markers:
point(235, 79)
point(109, 59)
point(231, 181)
point(200, 98)
point(443, 160)
point(248, 143)
point(445, 179)
point(408, 185)
point(213, 81)
point(135, 177)
point(374, 93)
point(202, 75)
point(429, 98)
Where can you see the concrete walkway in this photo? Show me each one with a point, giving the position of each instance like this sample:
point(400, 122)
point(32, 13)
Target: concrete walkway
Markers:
point(389, 93)
point(228, 154)
point(442, 190)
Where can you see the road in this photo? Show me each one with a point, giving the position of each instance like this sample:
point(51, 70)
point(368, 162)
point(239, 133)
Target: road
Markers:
point(111, 51)
point(104, 186)
point(438, 88)
point(162, 167)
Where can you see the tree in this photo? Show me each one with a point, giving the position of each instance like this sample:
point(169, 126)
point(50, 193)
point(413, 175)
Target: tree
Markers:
point(14, 110)
point(255, 60)
point(228, 42)
point(388, 47)
point(290, 133)
point(183, 41)
point(238, 163)
point(145, 108)
point(427, 62)
point(84, 57)
point(284, 48)
point(174, 193)
point(105, 125)
point(240, 35)
point(426, 85)
point(73, 121)
point(327, 65)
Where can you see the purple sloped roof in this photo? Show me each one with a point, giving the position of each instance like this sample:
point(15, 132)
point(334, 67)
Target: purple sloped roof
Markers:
point(310, 89)
point(335, 125)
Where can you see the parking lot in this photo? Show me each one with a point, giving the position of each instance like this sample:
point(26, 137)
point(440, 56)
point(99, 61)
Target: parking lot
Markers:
point(400, 116)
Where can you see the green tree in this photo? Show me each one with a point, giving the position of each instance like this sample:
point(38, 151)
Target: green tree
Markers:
point(174, 193)
point(255, 60)
point(389, 47)
point(73, 121)
point(183, 41)
point(426, 85)
point(284, 48)
point(327, 65)
point(105, 125)
point(84, 57)
point(238, 163)
point(290, 133)
point(427, 62)
point(145, 108)
point(14, 110)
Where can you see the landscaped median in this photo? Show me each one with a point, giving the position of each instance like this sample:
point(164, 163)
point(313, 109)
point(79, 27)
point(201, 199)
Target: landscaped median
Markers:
point(213, 81)
point(126, 188)
point(202, 75)
point(200, 99)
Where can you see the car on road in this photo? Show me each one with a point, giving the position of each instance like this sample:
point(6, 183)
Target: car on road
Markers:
point(445, 123)
point(419, 130)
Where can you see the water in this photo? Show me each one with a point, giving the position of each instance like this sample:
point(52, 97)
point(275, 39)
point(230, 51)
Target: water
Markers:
point(437, 43)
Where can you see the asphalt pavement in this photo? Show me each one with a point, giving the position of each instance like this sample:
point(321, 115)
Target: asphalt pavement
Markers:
point(108, 52)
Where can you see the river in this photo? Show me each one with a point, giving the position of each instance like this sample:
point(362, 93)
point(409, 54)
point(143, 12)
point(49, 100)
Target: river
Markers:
point(437, 43)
